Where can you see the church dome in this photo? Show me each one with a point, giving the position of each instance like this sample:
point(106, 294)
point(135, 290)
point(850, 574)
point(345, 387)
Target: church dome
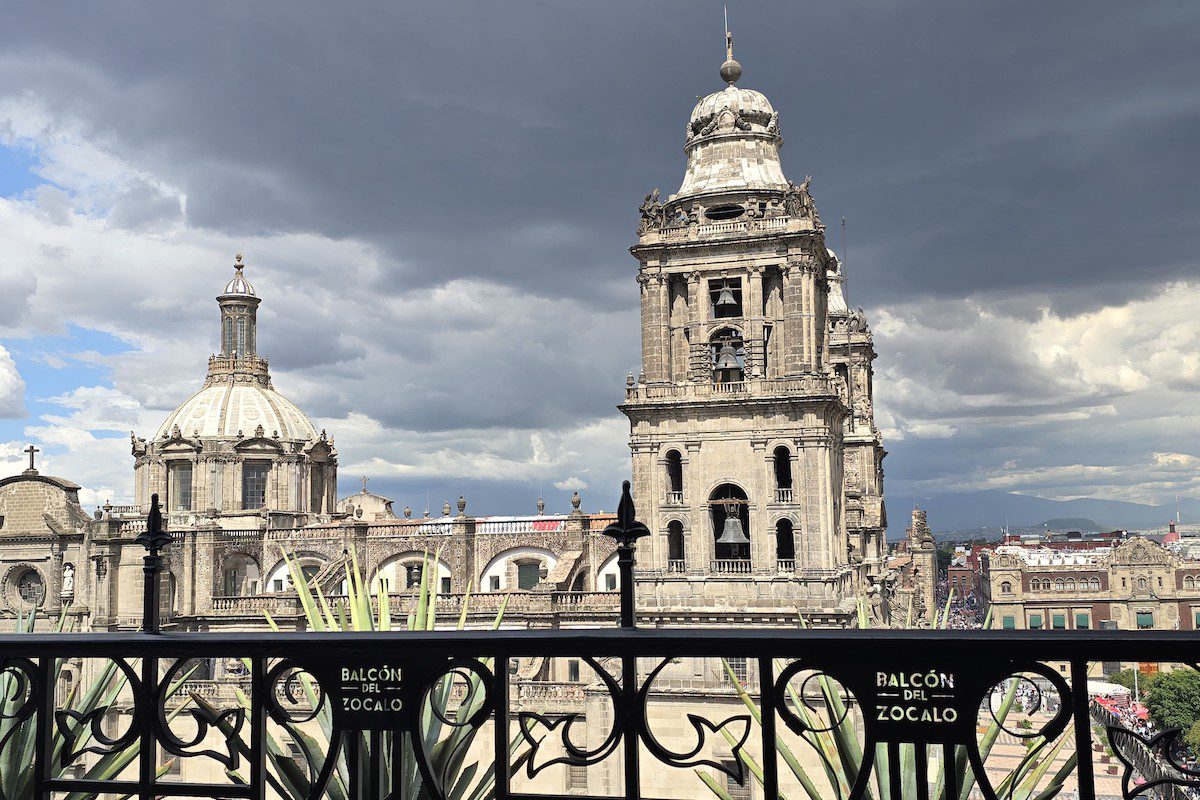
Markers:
point(220, 410)
point(238, 285)
point(733, 145)
point(754, 105)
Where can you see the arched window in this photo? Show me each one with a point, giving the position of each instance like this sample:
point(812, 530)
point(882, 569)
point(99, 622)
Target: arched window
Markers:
point(1058, 585)
point(785, 543)
point(675, 545)
point(241, 336)
point(728, 356)
point(1006, 587)
point(228, 344)
point(1189, 582)
point(730, 514)
point(1141, 583)
point(674, 477)
point(1070, 584)
point(1095, 584)
point(783, 468)
point(240, 575)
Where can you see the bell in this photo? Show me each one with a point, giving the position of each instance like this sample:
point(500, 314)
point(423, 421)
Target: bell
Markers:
point(727, 358)
point(732, 532)
point(725, 298)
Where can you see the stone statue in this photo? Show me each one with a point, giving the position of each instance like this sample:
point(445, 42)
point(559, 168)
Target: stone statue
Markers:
point(773, 125)
point(652, 213)
point(798, 201)
point(68, 582)
point(862, 408)
point(857, 321)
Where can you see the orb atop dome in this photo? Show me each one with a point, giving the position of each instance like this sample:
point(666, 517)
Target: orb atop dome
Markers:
point(238, 285)
point(731, 70)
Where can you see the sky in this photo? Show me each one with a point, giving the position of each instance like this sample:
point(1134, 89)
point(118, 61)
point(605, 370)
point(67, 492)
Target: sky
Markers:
point(435, 202)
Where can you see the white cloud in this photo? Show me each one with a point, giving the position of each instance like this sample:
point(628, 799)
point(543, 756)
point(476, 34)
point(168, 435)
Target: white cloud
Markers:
point(12, 387)
point(571, 484)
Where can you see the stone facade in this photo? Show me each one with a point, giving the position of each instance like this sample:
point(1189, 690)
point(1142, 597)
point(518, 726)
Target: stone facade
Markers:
point(755, 390)
point(1136, 584)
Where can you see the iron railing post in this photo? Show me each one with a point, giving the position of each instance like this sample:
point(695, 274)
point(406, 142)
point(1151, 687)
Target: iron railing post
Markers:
point(154, 538)
point(626, 531)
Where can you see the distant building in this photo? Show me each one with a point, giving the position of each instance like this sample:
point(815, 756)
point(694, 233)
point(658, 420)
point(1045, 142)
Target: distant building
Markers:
point(1132, 584)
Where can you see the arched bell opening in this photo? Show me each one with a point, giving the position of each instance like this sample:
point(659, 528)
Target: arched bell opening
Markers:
point(730, 512)
point(675, 476)
point(676, 552)
point(785, 543)
point(783, 468)
point(728, 356)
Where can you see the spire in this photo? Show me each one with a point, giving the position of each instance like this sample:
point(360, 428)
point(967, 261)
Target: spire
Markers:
point(730, 70)
point(239, 331)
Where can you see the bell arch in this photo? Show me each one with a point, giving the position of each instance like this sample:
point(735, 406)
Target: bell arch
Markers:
point(729, 510)
point(727, 348)
point(676, 544)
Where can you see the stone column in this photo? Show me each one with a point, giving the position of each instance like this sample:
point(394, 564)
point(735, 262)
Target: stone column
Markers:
point(793, 321)
point(697, 538)
point(662, 290)
point(752, 309)
point(651, 317)
point(762, 534)
point(698, 357)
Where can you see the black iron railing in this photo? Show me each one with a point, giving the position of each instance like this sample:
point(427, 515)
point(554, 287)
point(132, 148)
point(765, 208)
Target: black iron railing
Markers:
point(884, 714)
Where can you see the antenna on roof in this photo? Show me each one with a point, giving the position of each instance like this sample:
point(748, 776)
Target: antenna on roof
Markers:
point(845, 284)
point(728, 35)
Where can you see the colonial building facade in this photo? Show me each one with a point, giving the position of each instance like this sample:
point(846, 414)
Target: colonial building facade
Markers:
point(1135, 584)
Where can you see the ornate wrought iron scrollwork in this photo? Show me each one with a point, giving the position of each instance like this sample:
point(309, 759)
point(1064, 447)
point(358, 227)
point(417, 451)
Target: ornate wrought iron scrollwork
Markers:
point(289, 682)
point(20, 686)
point(576, 756)
point(692, 757)
point(1161, 749)
point(78, 728)
point(475, 707)
point(1049, 731)
point(228, 721)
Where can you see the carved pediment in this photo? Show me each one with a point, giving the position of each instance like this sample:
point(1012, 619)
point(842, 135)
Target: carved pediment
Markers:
point(1141, 551)
point(258, 444)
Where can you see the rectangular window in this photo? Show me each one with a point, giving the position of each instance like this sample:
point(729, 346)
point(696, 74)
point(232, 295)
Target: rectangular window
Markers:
point(528, 575)
point(1145, 619)
point(1009, 623)
point(1035, 622)
point(1196, 619)
point(610, 582)
point(1083, 622)
point(576, 778)
point(179, 486)
point(735, 790)
point(1059, 621)
point(231, 587)
point(277, 585)
point(445, 586)
point(573, 670)
point(254, 483)
point(494, 583)
point(738, 665)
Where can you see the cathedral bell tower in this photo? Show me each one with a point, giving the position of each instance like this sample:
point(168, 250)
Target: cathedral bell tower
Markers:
point(738, 416)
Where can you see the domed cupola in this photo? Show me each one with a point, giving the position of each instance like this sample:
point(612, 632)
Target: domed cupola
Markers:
point(237, 445)
point(732, 139)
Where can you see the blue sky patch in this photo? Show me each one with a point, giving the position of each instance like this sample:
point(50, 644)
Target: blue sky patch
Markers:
point(17, 174)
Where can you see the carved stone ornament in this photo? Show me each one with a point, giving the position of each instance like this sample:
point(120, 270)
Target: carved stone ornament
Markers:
point(652, 215)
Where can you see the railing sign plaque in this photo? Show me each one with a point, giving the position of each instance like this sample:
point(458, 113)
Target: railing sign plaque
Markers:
point(909, 700)
point(368, 694)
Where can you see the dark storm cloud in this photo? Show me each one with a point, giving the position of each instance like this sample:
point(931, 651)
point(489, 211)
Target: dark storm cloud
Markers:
point(1023, 154)
point(974, 147)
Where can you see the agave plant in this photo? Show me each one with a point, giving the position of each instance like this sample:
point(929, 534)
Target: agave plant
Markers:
point(18, 737)
point(447, 745)
point(841, 752)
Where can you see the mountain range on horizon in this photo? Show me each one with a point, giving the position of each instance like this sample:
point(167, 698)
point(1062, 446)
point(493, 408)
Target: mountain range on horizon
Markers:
point(993, 509)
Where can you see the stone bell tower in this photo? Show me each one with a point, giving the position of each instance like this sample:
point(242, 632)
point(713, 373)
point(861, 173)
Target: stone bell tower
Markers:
point(738, 417)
